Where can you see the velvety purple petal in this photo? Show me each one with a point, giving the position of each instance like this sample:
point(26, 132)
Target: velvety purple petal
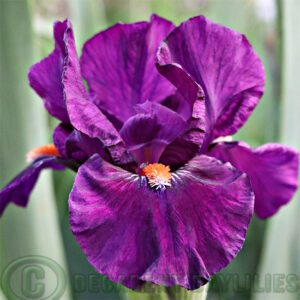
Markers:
point(272, 169)
point(182, 235)
point(19, 189)
point(45, 77)
point(189, 103)
point(223, 62)
point(149, 131)
point(119, 66)
point(85, 116)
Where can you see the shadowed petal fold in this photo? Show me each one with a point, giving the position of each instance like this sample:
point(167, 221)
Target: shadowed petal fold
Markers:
point(189, 103)
point(191, 230)
point(45, 77)
point(272, 169)
point(19, 189)
point(154, 126)
point(73, 144)
point(60, 136)
point(81, 147)
point(188, 91)
point(119, 66)
point(223, 62)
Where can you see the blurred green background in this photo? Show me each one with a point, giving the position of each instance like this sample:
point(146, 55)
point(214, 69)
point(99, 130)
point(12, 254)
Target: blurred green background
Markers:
point(272, 27)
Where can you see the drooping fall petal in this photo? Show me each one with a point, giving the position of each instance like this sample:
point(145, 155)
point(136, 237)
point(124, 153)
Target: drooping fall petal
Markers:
point(182, 235)
point(272, 169)
point(19, 189)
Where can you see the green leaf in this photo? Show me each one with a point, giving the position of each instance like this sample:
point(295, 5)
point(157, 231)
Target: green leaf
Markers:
point(281, 257)
point(34, 230)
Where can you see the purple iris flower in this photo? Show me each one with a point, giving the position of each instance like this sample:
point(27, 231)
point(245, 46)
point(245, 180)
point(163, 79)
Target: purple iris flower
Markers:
point(157, 197)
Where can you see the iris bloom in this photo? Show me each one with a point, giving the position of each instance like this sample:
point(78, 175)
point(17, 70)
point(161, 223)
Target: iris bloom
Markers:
point(157, 196)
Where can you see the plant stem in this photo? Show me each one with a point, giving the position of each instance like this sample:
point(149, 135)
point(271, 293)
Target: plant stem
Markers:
point(179, 293)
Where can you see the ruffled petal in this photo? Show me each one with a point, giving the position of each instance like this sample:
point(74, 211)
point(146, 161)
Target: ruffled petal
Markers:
point(190, 231)
point(223, 62)
point(85, 116)
point(272, 169)
point(19, 189)
point(119, 66)
point(151, 129)
point(45, 77)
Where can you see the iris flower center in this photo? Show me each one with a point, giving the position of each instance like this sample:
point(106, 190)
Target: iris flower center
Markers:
point(40, 151)
point(159, 176)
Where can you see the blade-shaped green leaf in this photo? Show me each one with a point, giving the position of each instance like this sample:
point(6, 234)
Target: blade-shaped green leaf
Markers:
point(281, 258)
point(34, 230)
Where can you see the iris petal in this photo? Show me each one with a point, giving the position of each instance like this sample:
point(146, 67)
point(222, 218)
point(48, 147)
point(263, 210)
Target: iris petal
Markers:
point(272, 169)
point(119, 66)
point(45, 77)
point(182, 235)
point(85, 116)
point(223, 62)
point(19, 189)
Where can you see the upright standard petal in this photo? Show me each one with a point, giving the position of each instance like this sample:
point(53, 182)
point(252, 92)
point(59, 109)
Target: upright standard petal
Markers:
point(85, 116)
point(223, 62)
point(190, 230)
point(272, 169)
point(119, 66)
point(19, 189)
point(45, 77)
